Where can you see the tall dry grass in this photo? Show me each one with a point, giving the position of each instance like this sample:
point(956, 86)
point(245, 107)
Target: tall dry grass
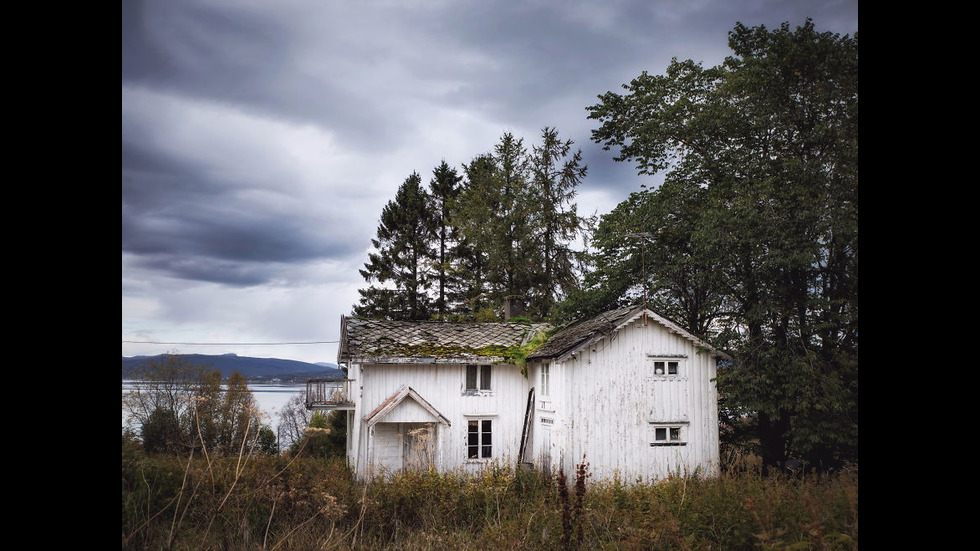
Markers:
point(252, 502)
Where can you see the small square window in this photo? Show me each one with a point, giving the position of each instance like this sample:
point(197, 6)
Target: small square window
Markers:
point(478, 377)
point(665, 367)
point(668, 435)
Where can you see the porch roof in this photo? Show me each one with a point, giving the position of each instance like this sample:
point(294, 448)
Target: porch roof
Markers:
point(392, 402)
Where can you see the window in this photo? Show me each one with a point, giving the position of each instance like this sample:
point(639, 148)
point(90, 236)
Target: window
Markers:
point(478, 377)
point(545, 378)
point(479, 439)
point(665, 367)
point(669, 434)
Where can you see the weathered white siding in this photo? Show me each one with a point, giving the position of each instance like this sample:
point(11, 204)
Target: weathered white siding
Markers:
point(601, 406)
point(387, 447)
point(606, 400)
point(443, 387)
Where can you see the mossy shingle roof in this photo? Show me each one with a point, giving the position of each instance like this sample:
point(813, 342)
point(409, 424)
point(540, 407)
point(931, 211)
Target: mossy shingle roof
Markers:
point(378, 340)
point(367, 340)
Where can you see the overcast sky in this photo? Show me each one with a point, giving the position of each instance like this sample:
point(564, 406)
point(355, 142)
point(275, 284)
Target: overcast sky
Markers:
point(261, 139)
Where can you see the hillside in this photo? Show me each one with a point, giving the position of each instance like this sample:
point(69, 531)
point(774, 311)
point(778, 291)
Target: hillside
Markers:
point(252, 368)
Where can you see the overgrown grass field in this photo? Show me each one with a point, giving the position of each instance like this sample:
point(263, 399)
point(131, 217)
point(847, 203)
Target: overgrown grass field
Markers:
point(304, 503)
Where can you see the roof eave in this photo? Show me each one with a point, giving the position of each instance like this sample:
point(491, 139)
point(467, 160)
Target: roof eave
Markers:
point(639, 312)
point(426, 360)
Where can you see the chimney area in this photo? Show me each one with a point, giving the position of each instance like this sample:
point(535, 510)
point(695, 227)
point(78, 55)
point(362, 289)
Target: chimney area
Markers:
point(513, 307)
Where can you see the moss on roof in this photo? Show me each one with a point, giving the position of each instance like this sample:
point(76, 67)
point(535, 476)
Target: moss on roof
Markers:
point(383, 339)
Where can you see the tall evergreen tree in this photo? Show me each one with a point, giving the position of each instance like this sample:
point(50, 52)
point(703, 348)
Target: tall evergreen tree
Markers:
point(472, 290)
point(493, 213)
point(555, 176)
point(403, 258)
point(444, 188)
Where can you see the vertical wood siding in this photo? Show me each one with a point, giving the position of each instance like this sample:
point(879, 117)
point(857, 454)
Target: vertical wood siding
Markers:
point(605, 399)
point(443, 386)
point(600, 409)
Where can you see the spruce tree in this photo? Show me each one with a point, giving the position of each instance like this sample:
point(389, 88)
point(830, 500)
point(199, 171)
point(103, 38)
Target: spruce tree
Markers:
point(444, 188)
point(555, 173)
point(403, 257)
point(493, 214)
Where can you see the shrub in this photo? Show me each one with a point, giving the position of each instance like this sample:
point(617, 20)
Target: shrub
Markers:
point(161, 432)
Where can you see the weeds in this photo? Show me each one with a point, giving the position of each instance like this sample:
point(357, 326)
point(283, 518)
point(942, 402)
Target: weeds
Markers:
point(257, 502)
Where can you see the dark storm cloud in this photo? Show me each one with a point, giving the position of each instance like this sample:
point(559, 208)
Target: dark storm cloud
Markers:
point(260, 140)
point(202, 232)
point(182, 218)
point(377, 76)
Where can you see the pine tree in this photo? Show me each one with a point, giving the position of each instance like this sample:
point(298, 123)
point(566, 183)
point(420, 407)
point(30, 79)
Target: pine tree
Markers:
point(444, 188)
point(554, 221)
point(493, 213)
point(403, 258)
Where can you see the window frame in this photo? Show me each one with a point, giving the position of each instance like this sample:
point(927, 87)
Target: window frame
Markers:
point(669, 430)
point(545, 379)
point(482, 378)
point(673, 366)
point(484, 439)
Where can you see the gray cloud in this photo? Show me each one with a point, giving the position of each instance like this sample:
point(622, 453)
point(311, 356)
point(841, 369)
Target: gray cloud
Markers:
point(260, 140)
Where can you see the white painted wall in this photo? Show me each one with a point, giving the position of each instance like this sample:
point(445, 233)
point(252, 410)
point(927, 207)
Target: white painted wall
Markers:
point(443, 386)
point(598, 409)
point(601, 404)
point(610, 395)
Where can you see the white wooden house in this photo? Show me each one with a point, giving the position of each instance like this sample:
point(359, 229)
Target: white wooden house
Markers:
point(628, 392)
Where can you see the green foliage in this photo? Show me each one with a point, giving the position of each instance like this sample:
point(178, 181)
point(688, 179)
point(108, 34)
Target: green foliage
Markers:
point(161, 433)
point(324, 437)
point(752, 239)
point(503, 228)
point(267, 442)
point(182, 407)
point(444, 188)
point(403, 256)
point(516, 210)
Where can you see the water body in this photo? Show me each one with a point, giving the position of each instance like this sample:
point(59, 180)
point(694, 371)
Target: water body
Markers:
point(270, 398)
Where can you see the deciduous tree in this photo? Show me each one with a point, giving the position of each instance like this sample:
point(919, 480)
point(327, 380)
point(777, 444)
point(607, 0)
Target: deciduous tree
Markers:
point(180, 406)
point(760, 156)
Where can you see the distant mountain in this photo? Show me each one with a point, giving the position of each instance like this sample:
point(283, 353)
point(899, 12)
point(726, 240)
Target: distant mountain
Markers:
point(252, 368)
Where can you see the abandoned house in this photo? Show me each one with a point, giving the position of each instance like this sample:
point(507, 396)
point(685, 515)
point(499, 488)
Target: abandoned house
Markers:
point(629, 392)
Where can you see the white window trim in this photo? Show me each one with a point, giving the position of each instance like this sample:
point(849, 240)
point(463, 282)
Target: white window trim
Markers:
point(479, 419)
point(545, 379)
point(479, 390)
point(677, 363)
point(681, 428)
